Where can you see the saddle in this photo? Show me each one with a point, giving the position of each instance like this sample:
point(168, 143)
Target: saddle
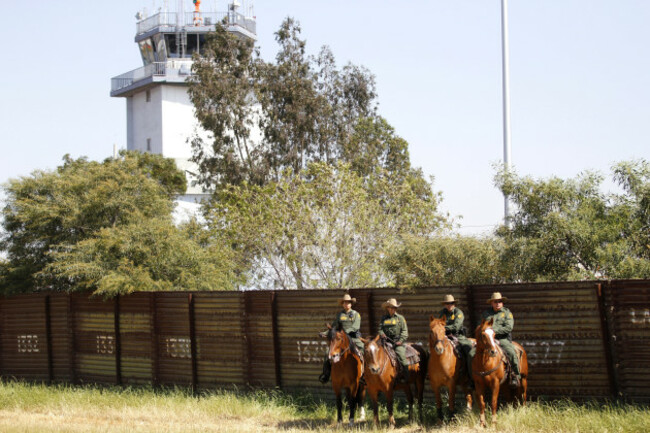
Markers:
point(506, 361)
point(412, 355)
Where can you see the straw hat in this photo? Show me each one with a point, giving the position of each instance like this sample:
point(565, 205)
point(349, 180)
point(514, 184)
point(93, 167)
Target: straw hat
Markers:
point(392, 302)
point(496, 296)
point(449, 299)
point(347, 298)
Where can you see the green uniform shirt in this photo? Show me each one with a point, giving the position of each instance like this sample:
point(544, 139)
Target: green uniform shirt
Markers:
point(394, 327)
point(350, 322)
point(454, 320)
point(503, 321)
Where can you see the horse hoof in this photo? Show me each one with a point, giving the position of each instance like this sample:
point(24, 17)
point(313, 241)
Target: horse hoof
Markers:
point(351, 423)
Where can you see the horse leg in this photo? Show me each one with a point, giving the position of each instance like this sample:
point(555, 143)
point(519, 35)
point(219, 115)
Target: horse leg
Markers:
point(452, 398)
point(389, 406)
point(481, 404)
point(361, 395)
point(420, 389)
point(409, 399)
point(375, 407)
point(495, 399)
point(438, 404)
point(339, 408)
point(468, 398)
point(352, 404)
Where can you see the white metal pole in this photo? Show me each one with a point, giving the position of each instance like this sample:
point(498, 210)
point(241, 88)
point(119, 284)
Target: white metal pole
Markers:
point(506, 100)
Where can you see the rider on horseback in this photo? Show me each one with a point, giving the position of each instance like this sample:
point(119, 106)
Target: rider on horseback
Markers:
point(393, 326)
point(502, 326)
point(454, 329)
point(349, 321)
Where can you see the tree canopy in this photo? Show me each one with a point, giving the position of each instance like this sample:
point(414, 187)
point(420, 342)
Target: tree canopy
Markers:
point(63, 228)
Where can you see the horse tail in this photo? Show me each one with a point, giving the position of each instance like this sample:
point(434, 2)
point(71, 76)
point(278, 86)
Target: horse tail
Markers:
point(424, 358)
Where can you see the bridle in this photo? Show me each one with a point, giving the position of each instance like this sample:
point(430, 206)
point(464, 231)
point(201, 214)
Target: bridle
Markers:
point(383, 367)
point(338, 356)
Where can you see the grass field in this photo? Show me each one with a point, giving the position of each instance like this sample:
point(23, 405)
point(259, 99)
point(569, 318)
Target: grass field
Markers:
point(62, 408)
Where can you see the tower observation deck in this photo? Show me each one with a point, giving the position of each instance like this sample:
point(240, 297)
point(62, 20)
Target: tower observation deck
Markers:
point(159, 114)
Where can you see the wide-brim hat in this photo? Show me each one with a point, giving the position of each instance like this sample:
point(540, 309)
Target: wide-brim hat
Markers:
point(392, 302)
point(347, 298)
point(496, 296)
point(448, 299)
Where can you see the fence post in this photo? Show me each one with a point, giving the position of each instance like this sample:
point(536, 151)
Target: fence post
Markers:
point(247, 340)
point(608, 343)
point(48, 337)
point(470, 306)
point(73, 339)
point(276, 339)
point(154, 339)
point(192, 342)
point(118, 341)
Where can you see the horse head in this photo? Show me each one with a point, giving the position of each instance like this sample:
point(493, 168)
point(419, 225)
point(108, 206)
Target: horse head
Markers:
point(437, 335)
point(372, 355)
point(339, 344)
point(485, 337)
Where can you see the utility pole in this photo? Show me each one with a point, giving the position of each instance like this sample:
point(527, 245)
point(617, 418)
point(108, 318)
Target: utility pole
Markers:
point(506, 101)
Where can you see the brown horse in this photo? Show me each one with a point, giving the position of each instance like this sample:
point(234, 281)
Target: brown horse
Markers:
point(381, 375)
point(347, 369)
point(489, 370)
point(445, 368)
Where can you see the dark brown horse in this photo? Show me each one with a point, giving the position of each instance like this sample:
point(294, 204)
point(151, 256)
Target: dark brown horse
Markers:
point(347, 369)
point(489, 370)
point(445, 368)
point(381, 375)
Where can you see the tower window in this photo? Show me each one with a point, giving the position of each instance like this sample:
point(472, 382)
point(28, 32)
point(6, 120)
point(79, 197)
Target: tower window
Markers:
point(148, 144)
point(148, 95)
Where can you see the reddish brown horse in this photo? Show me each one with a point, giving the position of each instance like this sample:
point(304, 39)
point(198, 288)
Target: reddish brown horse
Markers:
point(445, 368)
point(347, 368)
point(489, 370)
point(381, 374)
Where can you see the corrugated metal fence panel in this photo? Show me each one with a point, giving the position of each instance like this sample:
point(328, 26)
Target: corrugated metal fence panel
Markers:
point(136, 358)
point(24, 337)
point(221, 348)
point(560, 327)
point(259, 332)
point(630, 311)
point(301, 315)
point(62, 337)
point(94, 337)
point(174, 365)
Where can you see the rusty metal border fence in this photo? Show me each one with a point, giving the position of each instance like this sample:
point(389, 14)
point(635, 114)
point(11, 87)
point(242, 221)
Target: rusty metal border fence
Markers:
point(584, 339)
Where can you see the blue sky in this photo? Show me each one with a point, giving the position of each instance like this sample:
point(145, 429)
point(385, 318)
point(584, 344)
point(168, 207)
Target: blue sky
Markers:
point(580, 82)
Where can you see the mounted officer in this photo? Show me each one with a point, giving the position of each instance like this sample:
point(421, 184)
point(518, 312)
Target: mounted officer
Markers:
point(349, 321)
point(455, 330)
point(502, 325)
point(393, 326)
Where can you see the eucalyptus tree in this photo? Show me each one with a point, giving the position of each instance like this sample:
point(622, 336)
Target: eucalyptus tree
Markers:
point(265, 117)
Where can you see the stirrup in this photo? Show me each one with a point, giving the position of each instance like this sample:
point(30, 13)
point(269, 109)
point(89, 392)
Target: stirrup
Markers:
point(323, 378)
point(514, 382)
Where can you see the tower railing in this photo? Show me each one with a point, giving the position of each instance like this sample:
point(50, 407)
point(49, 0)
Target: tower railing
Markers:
point(177, 70)
point(192, 19)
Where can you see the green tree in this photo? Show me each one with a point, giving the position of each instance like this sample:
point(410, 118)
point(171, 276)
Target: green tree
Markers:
point(447, 260)
point(50, 210)
point(267, 117)
point(569, 229)
point(153, 255)
point(320, 229)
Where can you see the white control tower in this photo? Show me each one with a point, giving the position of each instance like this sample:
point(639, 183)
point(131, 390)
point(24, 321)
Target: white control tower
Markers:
point(159, 115)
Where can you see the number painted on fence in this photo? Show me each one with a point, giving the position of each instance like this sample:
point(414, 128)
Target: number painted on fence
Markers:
point(178, 347)
point(544, 352)
point(640, 317)
point(28, 343)
point(105, 344)
point(312, 350)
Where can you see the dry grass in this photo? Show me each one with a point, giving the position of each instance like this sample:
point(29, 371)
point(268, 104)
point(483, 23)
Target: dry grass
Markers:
point(37, 408)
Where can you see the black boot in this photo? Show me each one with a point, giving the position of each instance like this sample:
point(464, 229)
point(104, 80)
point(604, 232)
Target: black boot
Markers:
point(514, 380)
point(327, 369)
point(403, 376)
